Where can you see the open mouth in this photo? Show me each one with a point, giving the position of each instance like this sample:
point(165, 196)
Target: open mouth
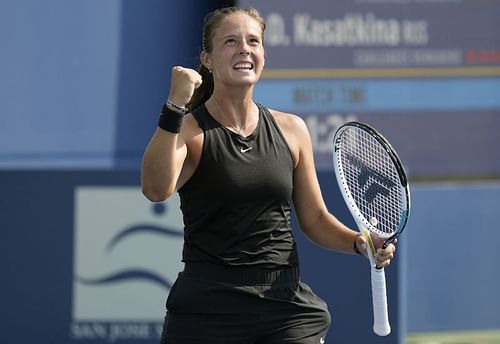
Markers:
point(243, 66)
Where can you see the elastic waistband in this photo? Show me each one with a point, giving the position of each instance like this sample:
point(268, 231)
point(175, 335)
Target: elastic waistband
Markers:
point(240, 275)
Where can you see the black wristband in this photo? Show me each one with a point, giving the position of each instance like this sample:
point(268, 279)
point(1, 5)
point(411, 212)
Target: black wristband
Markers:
point(358, 252)
point(170, 120)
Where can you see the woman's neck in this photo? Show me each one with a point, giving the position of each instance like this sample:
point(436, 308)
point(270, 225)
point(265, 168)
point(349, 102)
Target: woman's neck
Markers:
point(236, 112)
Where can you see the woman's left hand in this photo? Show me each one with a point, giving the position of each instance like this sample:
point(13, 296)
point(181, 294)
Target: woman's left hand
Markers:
point(383, 256)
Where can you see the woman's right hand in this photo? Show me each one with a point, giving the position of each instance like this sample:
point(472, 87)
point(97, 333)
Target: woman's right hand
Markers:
point(183, 84)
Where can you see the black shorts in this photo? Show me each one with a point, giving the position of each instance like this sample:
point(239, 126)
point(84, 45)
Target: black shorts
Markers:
point(211, 304)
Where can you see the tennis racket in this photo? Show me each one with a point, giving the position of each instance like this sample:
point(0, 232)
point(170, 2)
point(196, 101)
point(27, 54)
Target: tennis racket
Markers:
point(375, 188)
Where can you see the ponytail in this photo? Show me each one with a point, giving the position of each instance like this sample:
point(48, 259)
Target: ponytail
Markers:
point(202, 93)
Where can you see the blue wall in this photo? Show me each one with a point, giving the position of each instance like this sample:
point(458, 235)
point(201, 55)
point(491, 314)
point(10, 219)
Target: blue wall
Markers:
point(82, 82)
point(58, 87)
point(452, 257)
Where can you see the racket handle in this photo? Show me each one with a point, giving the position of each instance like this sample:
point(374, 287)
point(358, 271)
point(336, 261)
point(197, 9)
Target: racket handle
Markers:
point(381, 324)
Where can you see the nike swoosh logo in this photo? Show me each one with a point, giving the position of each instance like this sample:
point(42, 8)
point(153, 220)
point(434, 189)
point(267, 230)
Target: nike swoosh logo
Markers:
point(244, 150)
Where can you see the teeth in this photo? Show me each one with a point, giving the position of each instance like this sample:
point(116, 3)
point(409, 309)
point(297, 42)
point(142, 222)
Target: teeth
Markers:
point(243, 66)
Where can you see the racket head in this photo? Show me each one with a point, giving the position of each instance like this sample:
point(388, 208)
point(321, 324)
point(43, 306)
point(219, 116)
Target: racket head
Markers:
point(372, 180)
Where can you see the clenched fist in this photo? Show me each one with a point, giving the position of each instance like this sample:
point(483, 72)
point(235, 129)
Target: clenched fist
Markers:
point(183, 84)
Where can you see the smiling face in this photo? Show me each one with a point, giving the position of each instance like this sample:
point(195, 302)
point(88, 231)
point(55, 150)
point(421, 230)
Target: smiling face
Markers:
point(236, 54)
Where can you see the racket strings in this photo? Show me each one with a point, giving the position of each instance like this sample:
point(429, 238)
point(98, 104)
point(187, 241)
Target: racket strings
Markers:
point(372, 180)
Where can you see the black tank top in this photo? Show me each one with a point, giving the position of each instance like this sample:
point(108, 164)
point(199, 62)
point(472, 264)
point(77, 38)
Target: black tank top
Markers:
point(237, 204)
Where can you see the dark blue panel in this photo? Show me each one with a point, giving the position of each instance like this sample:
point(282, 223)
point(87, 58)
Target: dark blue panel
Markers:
point(36, 251)
point(37, 221)
point(383, 33)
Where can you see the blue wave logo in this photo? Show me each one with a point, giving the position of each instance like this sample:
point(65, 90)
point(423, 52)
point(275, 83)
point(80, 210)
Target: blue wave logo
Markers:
point(135, 274)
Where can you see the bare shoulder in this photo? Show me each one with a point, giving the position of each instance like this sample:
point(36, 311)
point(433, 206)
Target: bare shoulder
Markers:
point(294, 130)
point(289, 123)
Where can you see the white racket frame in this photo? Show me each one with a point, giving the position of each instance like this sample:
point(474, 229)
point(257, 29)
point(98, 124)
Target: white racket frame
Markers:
point(381, 324)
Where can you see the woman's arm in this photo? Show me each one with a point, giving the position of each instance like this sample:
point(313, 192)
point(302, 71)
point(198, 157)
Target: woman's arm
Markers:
point(166, 154)
point(315, 220)
point(162, 164)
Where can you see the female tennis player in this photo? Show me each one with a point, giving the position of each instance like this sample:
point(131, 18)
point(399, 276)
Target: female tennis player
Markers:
point(238, 168)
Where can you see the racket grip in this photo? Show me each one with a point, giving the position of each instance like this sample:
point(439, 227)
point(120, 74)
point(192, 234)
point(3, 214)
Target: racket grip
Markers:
point(381, 324)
